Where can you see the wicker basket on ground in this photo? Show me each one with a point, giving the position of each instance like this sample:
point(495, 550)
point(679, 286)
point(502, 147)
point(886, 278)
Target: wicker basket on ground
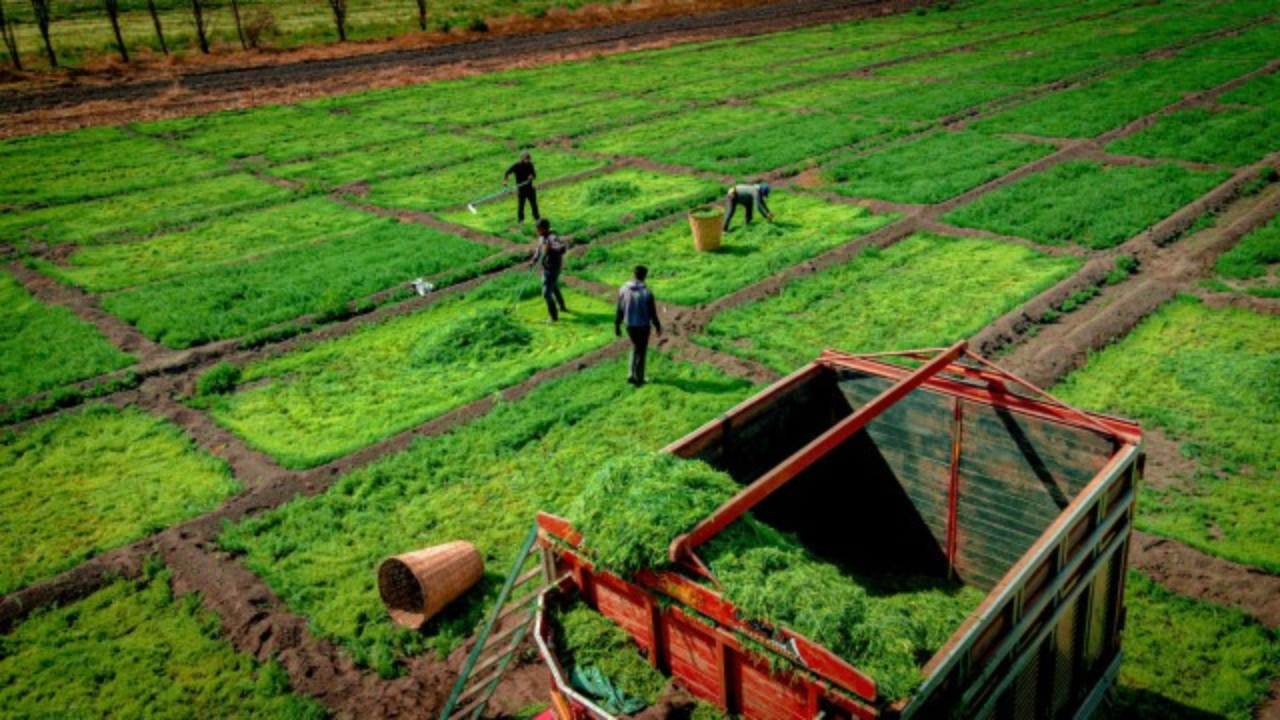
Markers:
point(417, 585)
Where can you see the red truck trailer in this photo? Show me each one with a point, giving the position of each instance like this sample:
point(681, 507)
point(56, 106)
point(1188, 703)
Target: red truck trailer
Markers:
point(935, 460)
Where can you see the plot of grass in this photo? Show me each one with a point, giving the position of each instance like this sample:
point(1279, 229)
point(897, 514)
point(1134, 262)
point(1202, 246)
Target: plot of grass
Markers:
point(1226, 137)
point(231, 300)
point(924, 291)
point(142, 212)
point(842, 95)
point(79, 484)
point(276, 133)
point(693, 127)
point(133, 650)
point(1115, 100)
point(678, 273)
point(579, 120)
point(459, 185)
point(325, 401)
point(70, 167)
point(395, 159)
point(467, 102)
point(794, 141)
point(1189, 659)
point(928, 101)
point(221, 242)
point(597, 206)
point(482, 482)
point(1263, 90)
point(932, 169)
point(44, 347)
point(1211, 380)
point(1088, 203)
point(1254, 259)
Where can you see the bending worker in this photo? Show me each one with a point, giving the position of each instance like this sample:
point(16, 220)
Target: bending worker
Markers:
point(749, 197)
point(525, 175)
point(550, 255)
point(637, 308)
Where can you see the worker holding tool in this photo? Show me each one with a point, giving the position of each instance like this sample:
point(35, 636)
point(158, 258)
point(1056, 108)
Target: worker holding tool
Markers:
point(638, 309)
point(749, 197)
point(550, 255)
point(525, 175)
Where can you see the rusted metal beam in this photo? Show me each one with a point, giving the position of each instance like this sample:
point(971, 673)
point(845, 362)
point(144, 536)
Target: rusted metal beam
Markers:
point(803, 458)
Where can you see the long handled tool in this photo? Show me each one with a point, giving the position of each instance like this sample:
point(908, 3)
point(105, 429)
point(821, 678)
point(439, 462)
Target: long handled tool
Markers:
point(520, 290)
point(504, 191)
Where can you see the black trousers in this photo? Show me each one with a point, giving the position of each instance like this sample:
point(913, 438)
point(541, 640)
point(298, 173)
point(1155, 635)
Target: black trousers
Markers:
point(530, 195)
point(639, 348)
point(731, 204)
point(551, 293)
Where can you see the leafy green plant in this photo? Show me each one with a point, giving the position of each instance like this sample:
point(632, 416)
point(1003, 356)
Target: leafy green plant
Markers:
point(802, 228)
point(398, 158)
point(42, 347)
point(1228, 137)
point(69, 397)
point(481, 482)
point(219, 379)
point(1208, 378)
point(326, 400)
point(79, 484)
point(132, 649)
point(1088, 203)
point(924, 291)
point(1263, 90)
point(1249, 263)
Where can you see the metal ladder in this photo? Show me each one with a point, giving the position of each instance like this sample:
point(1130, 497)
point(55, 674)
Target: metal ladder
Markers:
point(502, 633)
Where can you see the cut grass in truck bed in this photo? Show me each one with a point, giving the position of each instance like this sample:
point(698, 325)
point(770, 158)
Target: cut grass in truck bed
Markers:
point(804, 227)
point(482, 482)
point(923, 291)
point(44, 347)
point(133, 650)
point(932, 169)
point(1088, 203)
point(79, 484)
point(1211, 380)
point(596, 206)
point(329, 399)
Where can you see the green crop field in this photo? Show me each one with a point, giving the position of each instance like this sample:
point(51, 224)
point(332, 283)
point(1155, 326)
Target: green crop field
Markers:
point(80, 484)
point(213, 316)
point(1211, 380)
point(924, 291)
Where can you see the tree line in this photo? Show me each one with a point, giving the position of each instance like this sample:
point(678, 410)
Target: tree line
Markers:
point(249, 28)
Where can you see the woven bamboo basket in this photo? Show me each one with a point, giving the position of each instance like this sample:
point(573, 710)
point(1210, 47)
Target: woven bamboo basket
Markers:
point(707, 231)
point(417, 585)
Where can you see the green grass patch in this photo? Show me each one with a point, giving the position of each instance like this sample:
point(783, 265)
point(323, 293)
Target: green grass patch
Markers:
point(1190, 659)
point(142, 212)
point(482, 482)
point(76, 485)
point(1252, 262)
point(223, 241)
point(463, 103)
point(932, 169)
point(803, 228)
point(1095, 205)
point(1211, 380)
point(1226, 137)
point(688, 128)
point(72, 167)
point(44, 347)
point(327, 400)
point(924, 291)
point(278, 133)
point(597, 206)
point(408, 156)
point(133, 650)
point(458, 185)
point(230, 300)
point(579, 120)
point(1263, 91)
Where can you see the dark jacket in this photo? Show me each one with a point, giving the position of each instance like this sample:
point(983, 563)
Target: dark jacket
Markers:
point(750, 194)
point(636, 307)
point(523, 171)
point(550, 254)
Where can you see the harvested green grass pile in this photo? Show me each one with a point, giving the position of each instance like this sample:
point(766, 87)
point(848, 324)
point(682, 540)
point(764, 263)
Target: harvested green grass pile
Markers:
point(636, 505)
point(591, 646)
point(489, 334)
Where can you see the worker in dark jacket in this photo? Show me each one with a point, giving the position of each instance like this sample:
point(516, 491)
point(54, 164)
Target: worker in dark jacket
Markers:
point(550, 255)
point(637, 308)
point(525, 175)
point(750, 197)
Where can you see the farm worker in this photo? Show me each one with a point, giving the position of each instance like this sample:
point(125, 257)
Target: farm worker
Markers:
point(749, 197)
point(525, 175)
point(550, 255)
point(637, 308)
